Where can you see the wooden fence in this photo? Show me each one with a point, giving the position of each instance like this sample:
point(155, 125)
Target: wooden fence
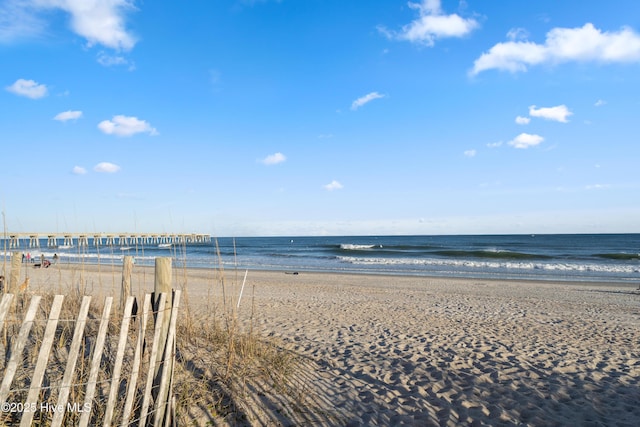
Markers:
point(104, 373)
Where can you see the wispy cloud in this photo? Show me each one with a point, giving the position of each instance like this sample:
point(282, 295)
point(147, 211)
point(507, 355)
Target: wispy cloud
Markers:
point(18, 21)
point(126, 126)
point(470, 153)
point(215, 79)
point(558, 113)
point(600, 103)
point(325, 136)
point(28, 88)
point(431, 24)
point(106, 167)
point(78, 170)
point(274, 159)
point(99, 22)
point(517, 34)
point(494, 144)
point(68, 115)
point(109, 60)
point(584, 44)
point(333, 185)
point(365, 100)
point(522, 120)
point(525, 140)
point(597, 186)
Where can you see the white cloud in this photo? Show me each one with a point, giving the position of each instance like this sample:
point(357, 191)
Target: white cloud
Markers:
point(126, 126)
point(470, 153)
point(494, 144)
point(431, 24)
point(365, 99)
point(600, 103)
point(28, 88)
point(98, 21)
point(558, 113)
point(68, 115)
point(525, 140)
point(106, 167)
point(78, 170)
point(522, 120)
point(562, 45)
point(333, 185)
point(274, 159)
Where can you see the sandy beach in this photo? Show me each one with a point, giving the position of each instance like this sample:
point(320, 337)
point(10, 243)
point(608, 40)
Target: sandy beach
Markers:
point(394, 350)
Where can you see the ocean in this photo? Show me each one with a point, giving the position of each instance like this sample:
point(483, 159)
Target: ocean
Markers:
point(560, 257)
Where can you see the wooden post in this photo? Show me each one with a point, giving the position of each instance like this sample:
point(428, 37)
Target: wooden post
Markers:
point(163, 285)
point(125, 290)
point(14, 275)
point(163, 398)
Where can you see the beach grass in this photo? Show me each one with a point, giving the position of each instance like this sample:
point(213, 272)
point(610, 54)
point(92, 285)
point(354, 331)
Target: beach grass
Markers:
point(219, 362)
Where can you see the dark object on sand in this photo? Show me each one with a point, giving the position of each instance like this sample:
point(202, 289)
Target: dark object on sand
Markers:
point(45, 264)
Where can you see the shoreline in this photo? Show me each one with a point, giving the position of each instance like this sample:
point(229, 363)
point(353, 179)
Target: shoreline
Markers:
point(117, 267)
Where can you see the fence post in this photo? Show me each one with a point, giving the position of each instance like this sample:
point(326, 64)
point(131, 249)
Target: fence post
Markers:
point(163, 285)
point(125, 290)
point(14, 275)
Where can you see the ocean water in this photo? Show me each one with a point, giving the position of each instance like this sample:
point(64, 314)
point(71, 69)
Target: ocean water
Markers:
point(582, 257)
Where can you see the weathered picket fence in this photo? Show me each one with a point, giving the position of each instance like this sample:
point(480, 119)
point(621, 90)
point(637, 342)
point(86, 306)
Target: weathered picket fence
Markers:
point(111, 376)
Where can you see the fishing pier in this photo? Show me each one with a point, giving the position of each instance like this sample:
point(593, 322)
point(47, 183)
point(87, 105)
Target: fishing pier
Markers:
point(57, 240)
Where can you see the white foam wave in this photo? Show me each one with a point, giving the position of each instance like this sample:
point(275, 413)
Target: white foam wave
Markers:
point(354, 247)
point(561, 267)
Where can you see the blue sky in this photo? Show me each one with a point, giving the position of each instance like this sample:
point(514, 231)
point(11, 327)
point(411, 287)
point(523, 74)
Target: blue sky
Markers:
point(309, 117)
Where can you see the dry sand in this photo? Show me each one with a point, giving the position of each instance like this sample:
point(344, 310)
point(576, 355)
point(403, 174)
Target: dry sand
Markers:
point(389, 350)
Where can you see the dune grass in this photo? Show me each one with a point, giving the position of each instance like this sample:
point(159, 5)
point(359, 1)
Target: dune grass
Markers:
point(222, 366)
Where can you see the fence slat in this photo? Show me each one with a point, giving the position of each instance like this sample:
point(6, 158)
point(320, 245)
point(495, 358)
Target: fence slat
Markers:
point(16, 352)
point(137, 357)
point(65, 386)
point(117, 367)
point(4, 307)
point(95, 362)
point(167, 362)
point(158, 388)
point(43, 359)
point(152, 360)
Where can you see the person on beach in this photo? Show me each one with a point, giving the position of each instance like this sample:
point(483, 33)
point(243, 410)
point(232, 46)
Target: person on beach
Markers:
point(28, 256)
point(1, 284)
point(55, 259)
point(41, 260)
